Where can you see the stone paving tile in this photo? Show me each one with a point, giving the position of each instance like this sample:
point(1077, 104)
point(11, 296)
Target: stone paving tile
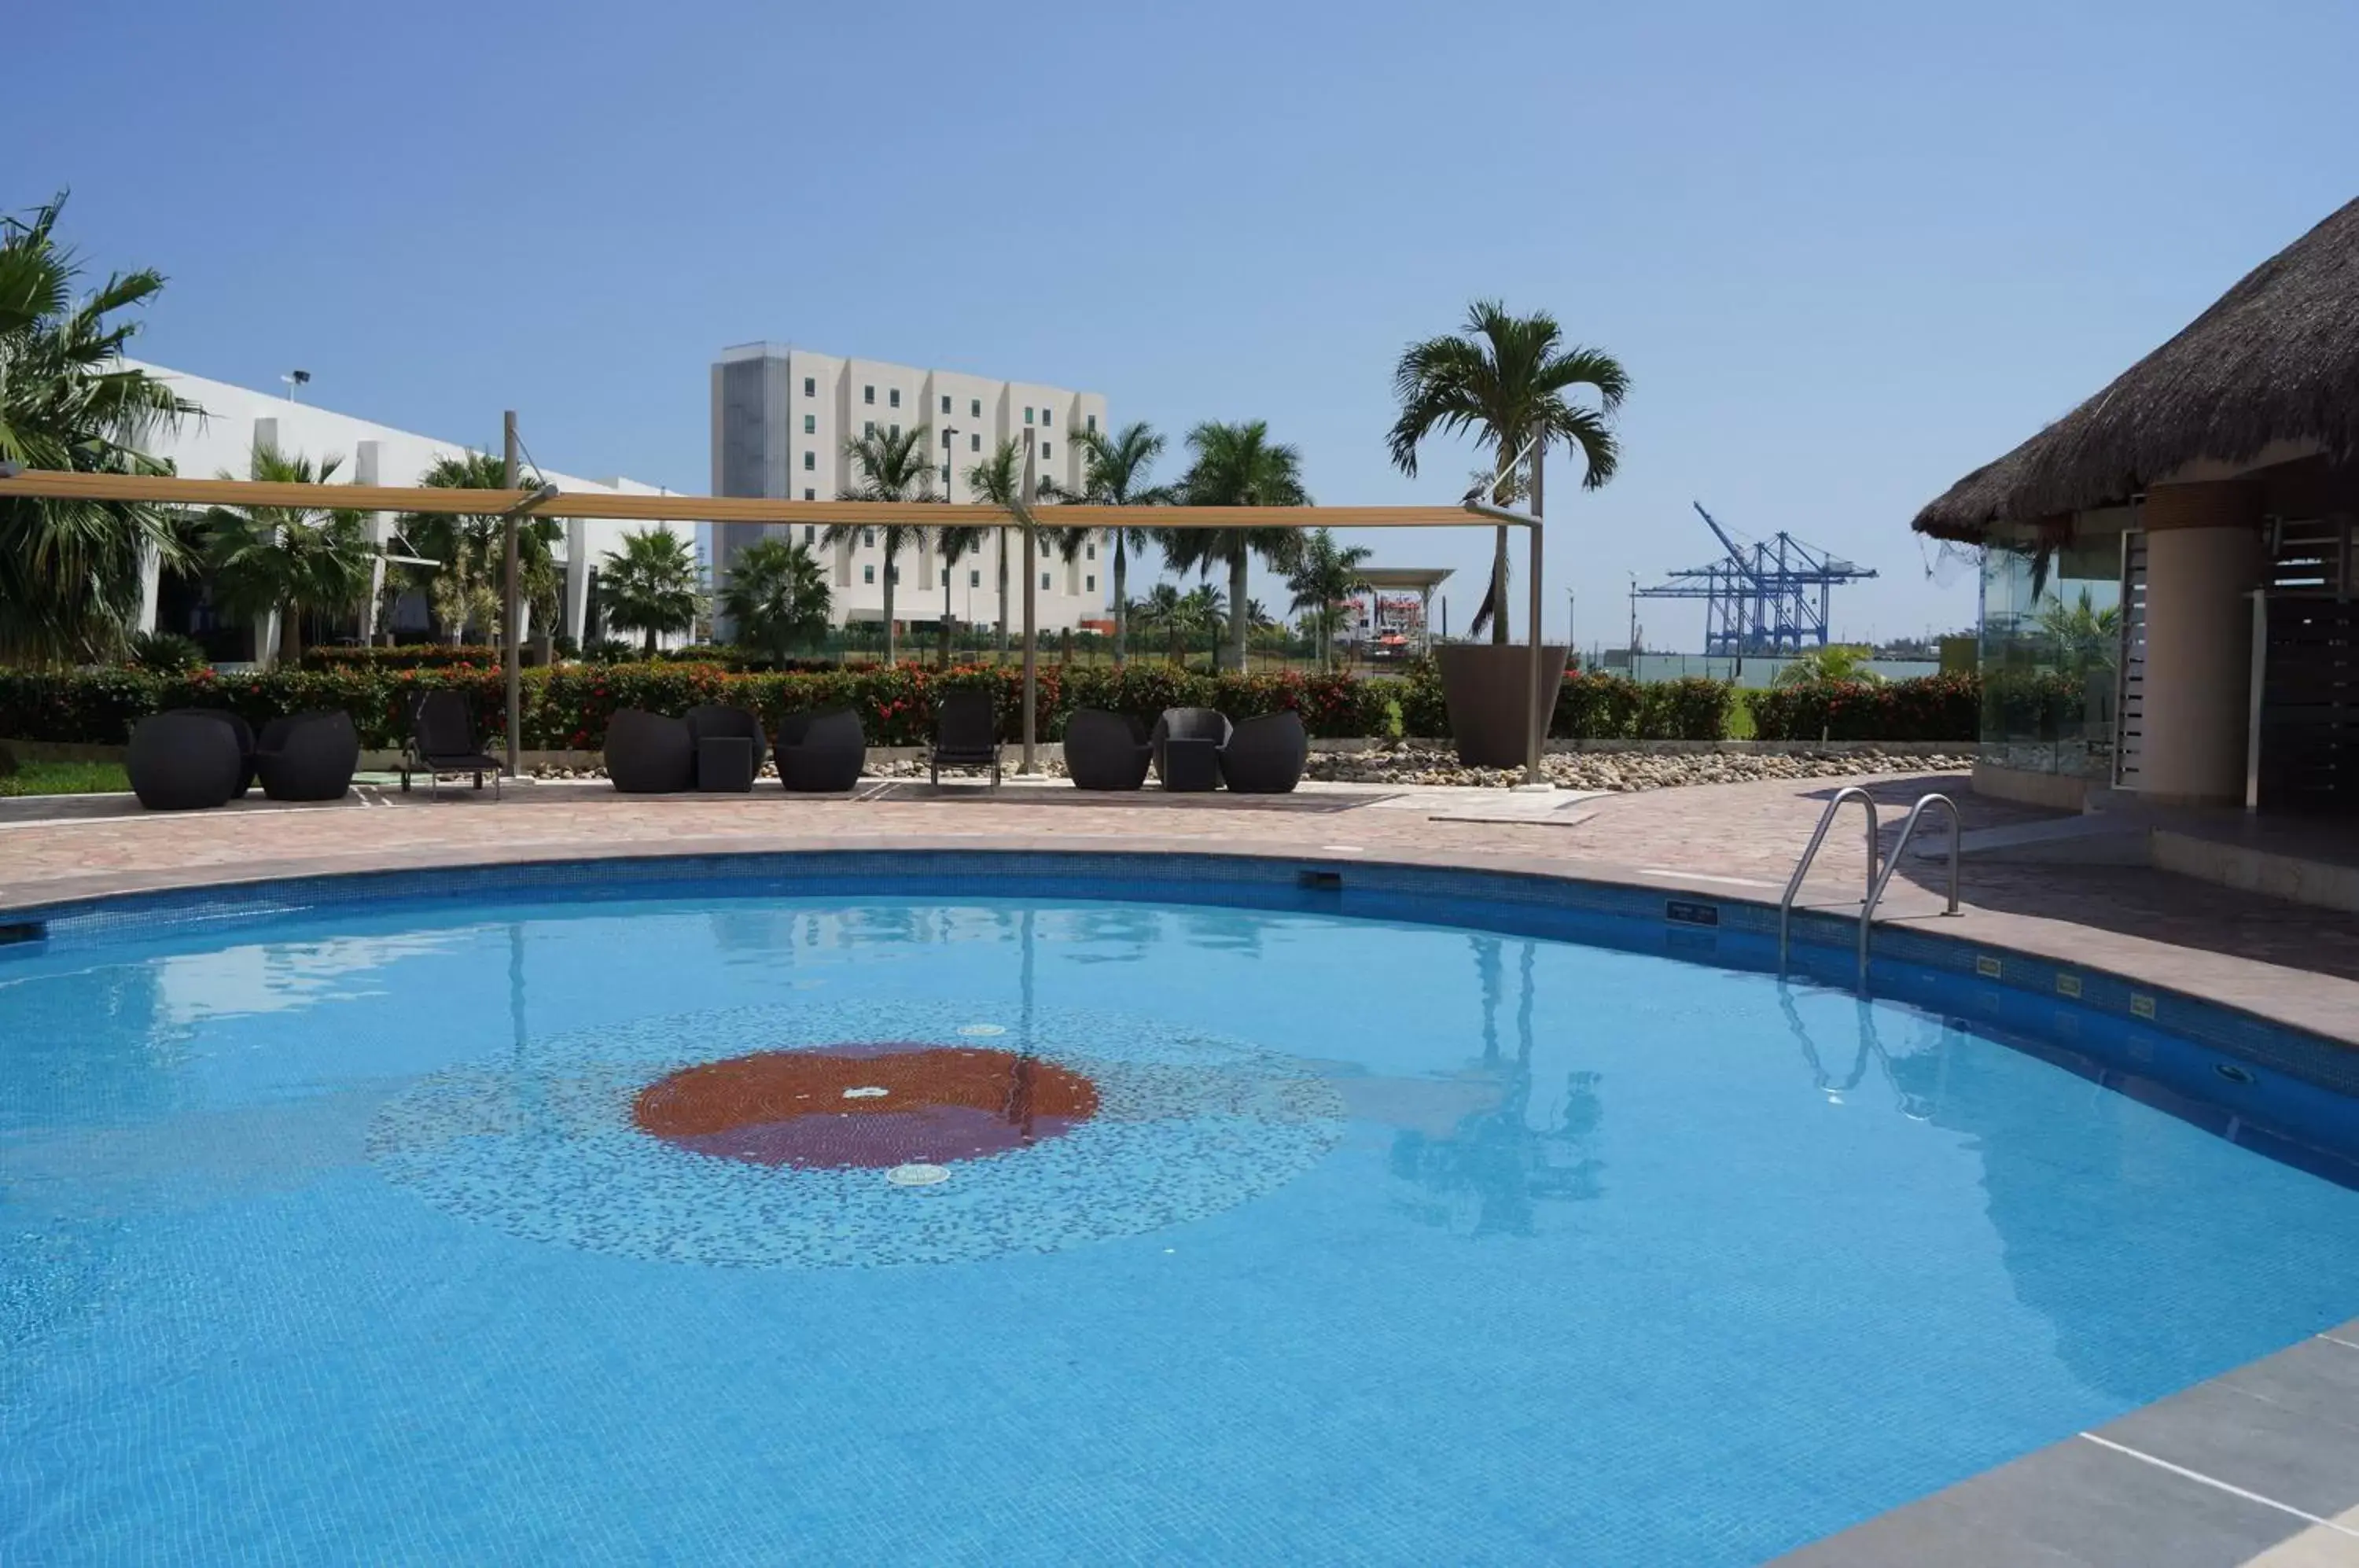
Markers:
point(2287, 961)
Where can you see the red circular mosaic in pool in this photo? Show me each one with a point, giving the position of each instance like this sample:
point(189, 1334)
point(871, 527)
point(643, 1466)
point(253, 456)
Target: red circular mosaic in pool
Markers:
point(874, 1104)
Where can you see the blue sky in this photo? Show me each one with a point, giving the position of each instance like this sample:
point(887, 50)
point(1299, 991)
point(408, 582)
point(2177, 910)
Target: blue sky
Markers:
point(1846, 251)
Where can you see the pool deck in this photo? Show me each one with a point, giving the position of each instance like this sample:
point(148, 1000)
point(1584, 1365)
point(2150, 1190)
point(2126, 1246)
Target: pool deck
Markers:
point(2260, 1466)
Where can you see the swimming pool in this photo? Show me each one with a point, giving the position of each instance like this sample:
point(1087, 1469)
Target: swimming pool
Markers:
point(481, 1218)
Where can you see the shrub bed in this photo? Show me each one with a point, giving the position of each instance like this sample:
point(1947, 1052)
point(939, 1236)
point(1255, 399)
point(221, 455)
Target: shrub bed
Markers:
point(1932, 707)
point(1591, 706)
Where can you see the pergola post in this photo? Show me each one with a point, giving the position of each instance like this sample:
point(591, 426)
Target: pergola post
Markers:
point(1032, 630)
point(1542, 703)
point(512, 655)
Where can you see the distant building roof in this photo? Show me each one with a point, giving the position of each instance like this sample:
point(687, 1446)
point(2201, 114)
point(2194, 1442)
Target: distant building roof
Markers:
point(1418, 577)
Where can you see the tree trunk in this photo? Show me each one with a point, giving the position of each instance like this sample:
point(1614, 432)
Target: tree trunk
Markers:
point(1121, 599)
point(1499, 588)
point(290, 635)
point(651, 642)
point(1003, 592)
point(1238, 607)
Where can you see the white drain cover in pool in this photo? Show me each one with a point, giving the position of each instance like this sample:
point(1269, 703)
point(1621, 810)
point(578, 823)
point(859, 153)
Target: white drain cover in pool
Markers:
point(918, 1175)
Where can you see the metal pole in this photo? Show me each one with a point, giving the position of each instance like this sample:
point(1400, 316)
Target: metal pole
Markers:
point(1031, 631)
point(512, 657)
point(1541, 703)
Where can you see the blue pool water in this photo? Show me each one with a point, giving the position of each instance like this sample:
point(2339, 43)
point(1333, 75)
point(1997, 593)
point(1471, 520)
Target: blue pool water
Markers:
point(334, 1237)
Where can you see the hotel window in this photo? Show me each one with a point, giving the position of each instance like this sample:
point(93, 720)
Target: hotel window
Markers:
point(1048, 417)
point(868, 394)
point(867, 427)
point(974, 443)
point(973, 579)
point(1027, 415)
point(1044, 549)
point(811, 424)
point(894, 397)
point(868, 541)
point(1089, 585)
point(808, 495)
point(868, 574)
point(946, 478)
point(1090, 552)
point(974, 408)
point(811, 530)
point(1044, 457)
point(896, 432)
point(946, 402)
point(811, 387)
point(1093, 424)
point(1044, 582)
point(811, 460)
point(946, 440)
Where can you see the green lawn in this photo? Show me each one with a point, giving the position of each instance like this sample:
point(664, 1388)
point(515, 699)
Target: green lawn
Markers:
point(64, 778)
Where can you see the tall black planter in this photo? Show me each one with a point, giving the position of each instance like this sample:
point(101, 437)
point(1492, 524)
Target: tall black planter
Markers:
point(1487, 687)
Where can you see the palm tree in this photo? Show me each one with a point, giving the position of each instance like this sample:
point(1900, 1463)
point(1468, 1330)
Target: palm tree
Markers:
point(72, 573)
point(1113, 474)
point(777, 596)
point(2086, 637)
point(893, 466)
point(1506, 379)
point(290, 561)
point(999, 479)
point(1326, 574)
point(465, 590)
point(650, 585)
point(1237, 466)
point(1836, 661)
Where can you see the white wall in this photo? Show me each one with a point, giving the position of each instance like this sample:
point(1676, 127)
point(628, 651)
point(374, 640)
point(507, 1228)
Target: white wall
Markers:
point(222, 442)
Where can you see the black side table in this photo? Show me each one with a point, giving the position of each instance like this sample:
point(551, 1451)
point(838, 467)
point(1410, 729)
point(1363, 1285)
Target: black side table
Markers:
point(724, 765)
point(1191, 766)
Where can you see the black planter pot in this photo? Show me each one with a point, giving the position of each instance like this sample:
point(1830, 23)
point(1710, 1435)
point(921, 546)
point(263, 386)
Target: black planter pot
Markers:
point(1487, 687)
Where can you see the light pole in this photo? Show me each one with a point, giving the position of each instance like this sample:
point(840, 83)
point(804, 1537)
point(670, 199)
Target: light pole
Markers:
point(949, 466)
point(295, 378)
point(1568, 619)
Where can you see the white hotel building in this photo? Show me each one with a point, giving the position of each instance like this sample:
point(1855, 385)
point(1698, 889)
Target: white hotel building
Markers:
point(237, 419)
point(781, 417)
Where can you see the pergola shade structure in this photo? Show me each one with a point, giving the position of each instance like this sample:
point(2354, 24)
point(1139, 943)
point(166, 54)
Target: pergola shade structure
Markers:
point(550, 501)
point(2222, 472)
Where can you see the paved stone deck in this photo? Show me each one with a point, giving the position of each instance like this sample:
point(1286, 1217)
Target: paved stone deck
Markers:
point(2260, 1467)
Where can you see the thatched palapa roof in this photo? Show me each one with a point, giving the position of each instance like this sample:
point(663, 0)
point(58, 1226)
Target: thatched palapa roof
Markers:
point(2277, 359)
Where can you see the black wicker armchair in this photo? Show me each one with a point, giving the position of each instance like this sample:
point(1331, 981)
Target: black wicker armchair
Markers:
point(1187, 742)
point(245, 733)
point(308, 756)
point(719, 721)
point(184, 761)
point(822, 754)
point(647, 754)
point(1266, 756)
point(1106, 751)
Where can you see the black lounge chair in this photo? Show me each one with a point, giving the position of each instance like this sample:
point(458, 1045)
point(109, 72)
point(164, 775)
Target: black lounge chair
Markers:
point(184, 761)
point(1266, 756)
point(308, 756)
point(647, 754)
point(245, 733)
point(1106, 751)
point(1188, 743)
point(442, 741)
point(966, 734)
point(822, 753)
point(716, 722)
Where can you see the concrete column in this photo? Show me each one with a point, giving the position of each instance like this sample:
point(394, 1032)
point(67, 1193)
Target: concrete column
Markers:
point(577, 579)
point(2203, 556)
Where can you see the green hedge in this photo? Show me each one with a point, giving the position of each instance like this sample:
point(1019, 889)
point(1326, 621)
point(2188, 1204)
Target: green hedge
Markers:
point(568, 707)
point(1933, 707)
point(406, 656)
point(1591, 706)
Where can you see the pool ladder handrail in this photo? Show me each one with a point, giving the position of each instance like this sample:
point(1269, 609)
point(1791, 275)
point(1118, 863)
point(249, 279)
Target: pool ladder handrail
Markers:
point(1877, 883)
point(1811, 853)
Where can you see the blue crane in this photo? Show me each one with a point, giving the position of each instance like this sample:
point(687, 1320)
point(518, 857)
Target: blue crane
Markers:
point(1765, 596)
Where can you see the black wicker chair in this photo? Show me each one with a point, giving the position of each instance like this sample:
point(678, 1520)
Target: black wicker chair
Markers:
point(245, 733)
point(308, 756)
point(718, 721)
point(822, 754)
point(1194, 764)
point(966, 734)
point(647, 754)
point(1266, 756)
point(184, 761)
point(442, 741)
point(1106, 751)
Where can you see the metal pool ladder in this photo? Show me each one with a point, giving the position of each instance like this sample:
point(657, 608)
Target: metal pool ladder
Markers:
point(1878, 880)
